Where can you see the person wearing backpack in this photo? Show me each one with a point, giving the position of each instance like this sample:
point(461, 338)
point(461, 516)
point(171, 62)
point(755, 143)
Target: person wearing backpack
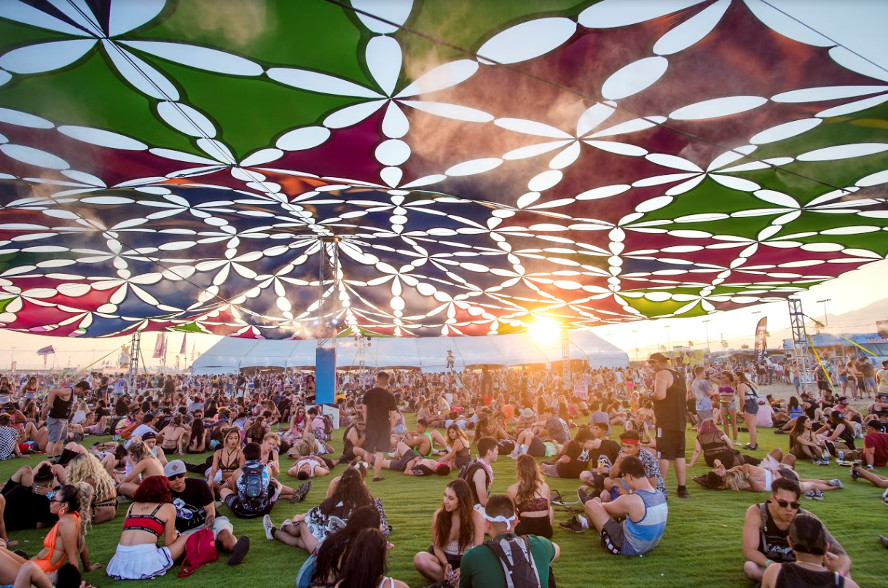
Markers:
point(479, 474)
point(507, 560)
point(256, 490)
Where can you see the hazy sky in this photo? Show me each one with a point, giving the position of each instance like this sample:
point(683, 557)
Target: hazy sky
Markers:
point(856, 24)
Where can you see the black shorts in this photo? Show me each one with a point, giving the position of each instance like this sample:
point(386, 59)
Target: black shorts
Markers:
point(612, 537)
point(400, 464)
point(379, 440)
point(453, 560)
point(670, 444)
point(540, 526)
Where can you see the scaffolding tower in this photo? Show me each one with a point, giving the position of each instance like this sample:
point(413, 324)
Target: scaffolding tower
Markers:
point(801, 351)
point(135, 353)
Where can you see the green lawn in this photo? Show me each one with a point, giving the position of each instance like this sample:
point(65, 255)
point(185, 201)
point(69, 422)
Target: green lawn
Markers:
point(701, 546)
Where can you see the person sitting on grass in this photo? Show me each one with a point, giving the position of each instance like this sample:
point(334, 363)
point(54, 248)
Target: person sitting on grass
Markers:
point(872, 477)
point(643, 512)
point(479, 474)
point(456, 527)
point(255, 490)
point(765, 531)
point(364, 563)
point(481, 567)
point(807, 538)
point(140, 464)
point(423, 440)
point(325, 567)
point(25, 501)
point(85, 467)
point(460, 452)
point(614, 485)
point(532, 498)
point(875, 444)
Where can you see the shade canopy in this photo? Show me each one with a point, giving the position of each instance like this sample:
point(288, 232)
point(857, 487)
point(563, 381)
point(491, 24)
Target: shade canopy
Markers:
point(429, 354)
point(469, 166)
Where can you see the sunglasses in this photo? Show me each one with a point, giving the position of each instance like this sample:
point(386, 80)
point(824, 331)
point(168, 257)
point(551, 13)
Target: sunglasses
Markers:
point(177, 477)
point(783, 504)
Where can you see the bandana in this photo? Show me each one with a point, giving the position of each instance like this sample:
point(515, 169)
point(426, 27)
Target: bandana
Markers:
point(630, 441)
point(498, 518)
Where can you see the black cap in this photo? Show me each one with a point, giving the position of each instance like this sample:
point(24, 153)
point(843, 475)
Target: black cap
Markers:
point(658, 357)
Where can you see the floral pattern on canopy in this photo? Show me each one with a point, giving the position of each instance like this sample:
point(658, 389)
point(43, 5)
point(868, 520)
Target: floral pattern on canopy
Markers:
point(183, 165)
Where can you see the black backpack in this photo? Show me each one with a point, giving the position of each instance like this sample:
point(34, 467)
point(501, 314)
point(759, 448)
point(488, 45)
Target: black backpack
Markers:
point(516, 559)
point(467, 472)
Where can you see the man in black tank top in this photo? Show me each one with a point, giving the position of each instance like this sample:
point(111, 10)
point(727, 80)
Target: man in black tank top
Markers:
point(60, 401)
point(671, 409)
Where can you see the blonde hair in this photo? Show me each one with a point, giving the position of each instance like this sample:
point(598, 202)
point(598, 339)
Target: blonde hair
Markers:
point(735, 480)
point(86, 466)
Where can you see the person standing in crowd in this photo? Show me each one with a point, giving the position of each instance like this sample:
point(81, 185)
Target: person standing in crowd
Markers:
point(379, 403)
point(59, 401)
point(672, 416)
point(702, 389)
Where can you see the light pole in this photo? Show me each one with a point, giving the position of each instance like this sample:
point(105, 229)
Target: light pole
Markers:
point(706, 322)
point(824, 301)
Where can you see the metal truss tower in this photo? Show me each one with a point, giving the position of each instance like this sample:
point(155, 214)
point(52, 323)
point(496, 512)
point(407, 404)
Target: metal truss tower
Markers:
point(135, 354)
point(801, 348)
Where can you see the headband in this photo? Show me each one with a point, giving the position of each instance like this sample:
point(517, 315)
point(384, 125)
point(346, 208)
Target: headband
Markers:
point(631, 441)
point(498, 518)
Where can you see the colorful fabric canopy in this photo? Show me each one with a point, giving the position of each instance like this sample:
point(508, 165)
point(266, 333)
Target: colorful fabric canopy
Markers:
point(470, 166)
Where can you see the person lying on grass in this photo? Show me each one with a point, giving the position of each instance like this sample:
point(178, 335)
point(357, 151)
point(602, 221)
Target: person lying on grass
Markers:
point(765, 531)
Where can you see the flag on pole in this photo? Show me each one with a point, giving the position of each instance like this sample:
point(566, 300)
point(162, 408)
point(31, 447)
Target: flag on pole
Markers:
point(761, 331)
point(183, 351)
point(46, 350)
point(193, 351)
point(160, 346)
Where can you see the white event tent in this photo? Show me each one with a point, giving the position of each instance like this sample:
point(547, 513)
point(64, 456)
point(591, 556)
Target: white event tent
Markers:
point(429, 354)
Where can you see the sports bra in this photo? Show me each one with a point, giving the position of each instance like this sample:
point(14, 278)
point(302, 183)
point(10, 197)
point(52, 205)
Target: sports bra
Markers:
point(535, 505)
point(148, 523)
point(231, 466)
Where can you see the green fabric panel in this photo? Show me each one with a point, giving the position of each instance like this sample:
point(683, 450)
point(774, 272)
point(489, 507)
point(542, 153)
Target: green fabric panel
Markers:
point(16, 35)
point(311, 34)
point(72, 96)
point(250, 112)
point(708, 196)
point(5, 303)
point(188, 328)
point(650, 308)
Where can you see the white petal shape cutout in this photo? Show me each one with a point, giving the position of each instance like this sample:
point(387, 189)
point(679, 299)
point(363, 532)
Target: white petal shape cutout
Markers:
point(393, 11)
point(673, 161)
point(182, 156)
point(685, 186)
point(318, 82)
point(823, 247)
point(352, 115)
point(615, 13)
point(453, 111)
point(534, 150)
point(384, 62)
point(778, 198)
point(859, 230)
point(544, 180)
point(664, 179)
point(5, 76)
point(603, 192)
point(83, 177)
point(394, 124)
point(735, 183)
point(425, 181)
point(634, 78)
point(630, 126)
point(441, 77)
point(218, 150)
point(392, 152)
point(527, 40)
point(757, 165)
point(129, 14)
point(703, 217)
point(786, 25)
point(692, 30)
point(822, 93)
point(198, 57)
point(17, 11)
point(618, 148)
point(853, 62)
point(718, 107)
point(873, 179)
point(186, 119)
point(139, 74)
point(566, 157)
point(594, 116)
point(474, 166)
point(23, 119)
point(529, 127)
point(653, 204)
point(102, 138)
point(391, 175)
point(43, 57)
point(261, 157)
point(843, 151)
point(302, 139)
point(34, 156)
point(852, 107)
point(785, 131)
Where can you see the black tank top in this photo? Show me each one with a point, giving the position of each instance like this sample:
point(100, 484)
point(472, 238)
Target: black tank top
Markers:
point(795, 576)
point(672, 411)
point(61, 409)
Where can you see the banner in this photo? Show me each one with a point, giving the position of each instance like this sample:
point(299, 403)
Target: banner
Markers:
point(183, 351)
point(761, 331)
point(45, 350)
point(160, 346)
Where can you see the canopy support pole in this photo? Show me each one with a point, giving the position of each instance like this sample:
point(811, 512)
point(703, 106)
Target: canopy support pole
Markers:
point(325, 356)
point(135, 350)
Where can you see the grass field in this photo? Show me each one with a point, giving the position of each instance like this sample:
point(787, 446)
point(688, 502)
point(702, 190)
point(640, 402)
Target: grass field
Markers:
point(701, 546)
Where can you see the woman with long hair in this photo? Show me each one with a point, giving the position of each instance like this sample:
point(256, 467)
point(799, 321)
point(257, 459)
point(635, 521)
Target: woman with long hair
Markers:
point(226, 460)
point(328, 562)
point(460, 452)
point(803, 443)
point(150, 517)
point(532, 499)
point(140, 464)
point(65, 542)
point(841, 434)
point(714, 444)
point(728, 404)
point(749, 401)
point(456, 527)
point(364, 564)
point(174, 436)
point(86, 467)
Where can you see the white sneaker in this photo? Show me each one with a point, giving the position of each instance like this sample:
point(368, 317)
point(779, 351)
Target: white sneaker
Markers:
point(268, 526)
point(738, 444)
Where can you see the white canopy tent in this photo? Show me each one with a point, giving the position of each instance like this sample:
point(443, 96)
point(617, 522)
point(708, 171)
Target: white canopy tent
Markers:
point(429, 354)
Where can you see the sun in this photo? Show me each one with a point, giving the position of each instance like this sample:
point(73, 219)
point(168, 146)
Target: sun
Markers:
point(545, 330)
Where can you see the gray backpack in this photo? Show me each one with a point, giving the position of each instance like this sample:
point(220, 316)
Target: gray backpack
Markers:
point(516, 559)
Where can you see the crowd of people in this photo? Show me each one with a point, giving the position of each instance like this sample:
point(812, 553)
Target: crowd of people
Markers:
point(464, 423)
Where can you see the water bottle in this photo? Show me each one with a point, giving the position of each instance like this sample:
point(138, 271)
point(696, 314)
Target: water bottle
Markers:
point(841, 455)
point(825, 456)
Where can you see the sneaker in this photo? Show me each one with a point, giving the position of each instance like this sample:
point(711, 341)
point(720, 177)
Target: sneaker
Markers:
point(301, 492)
point(683, 492)
point(821, 462)
point(837, 483)
point(738, 444)
point(814, 495)
point(884, 540)
point(239, 550)
point(573, 524)
point(268, 526)
point(584, 496)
